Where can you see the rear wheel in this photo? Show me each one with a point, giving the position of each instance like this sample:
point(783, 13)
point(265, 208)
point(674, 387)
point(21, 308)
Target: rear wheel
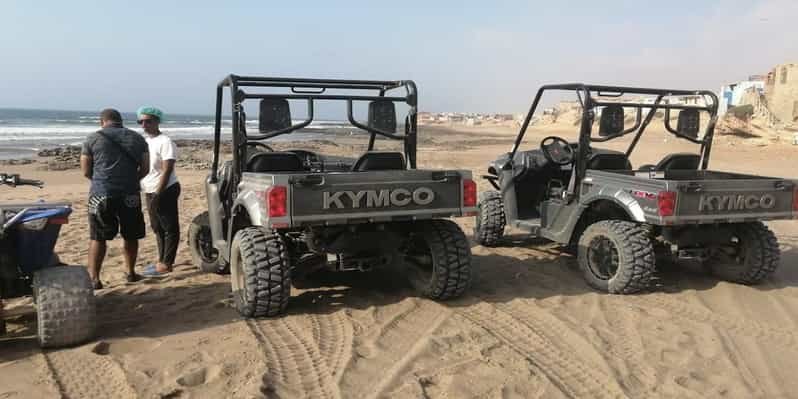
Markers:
point(751, 255)
point(66, 309)
point(261, 273)
point(490, 220)
point(200, 243)
point(616, 257)
point(440, 260)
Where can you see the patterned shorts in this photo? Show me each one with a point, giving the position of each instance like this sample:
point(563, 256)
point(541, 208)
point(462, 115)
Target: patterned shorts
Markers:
point(118, 214)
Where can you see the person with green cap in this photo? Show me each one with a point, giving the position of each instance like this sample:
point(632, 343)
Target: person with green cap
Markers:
point(162, 190)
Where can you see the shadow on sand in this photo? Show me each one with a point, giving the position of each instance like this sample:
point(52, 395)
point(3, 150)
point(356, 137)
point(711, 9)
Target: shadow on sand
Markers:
point(520, 268)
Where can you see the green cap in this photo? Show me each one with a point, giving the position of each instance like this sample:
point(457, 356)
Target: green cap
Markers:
point(150, 110)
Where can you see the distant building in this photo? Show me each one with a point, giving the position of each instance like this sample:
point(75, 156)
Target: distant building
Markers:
point(502, 117)
point(426, 117)
point(469, 119)
point(472, 122)
point(689, 100)
point(781, 92)
point(732, 94)
point(454, 118)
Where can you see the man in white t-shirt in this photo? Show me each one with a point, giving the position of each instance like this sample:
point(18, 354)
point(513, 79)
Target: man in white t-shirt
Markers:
point(162, 190)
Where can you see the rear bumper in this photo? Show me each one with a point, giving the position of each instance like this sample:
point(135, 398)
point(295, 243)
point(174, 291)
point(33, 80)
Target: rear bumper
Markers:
point(378, 217)
point(728, 218)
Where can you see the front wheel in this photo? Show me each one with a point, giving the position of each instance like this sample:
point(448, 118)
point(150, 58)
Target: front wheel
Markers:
point(200, 243)
point(751, 255)
point(490, 220)
point(66, 308)
point(260, 272)
point(440, 260)
point(616, 257)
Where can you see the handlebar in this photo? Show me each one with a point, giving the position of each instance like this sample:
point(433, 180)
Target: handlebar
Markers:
point(15, 180)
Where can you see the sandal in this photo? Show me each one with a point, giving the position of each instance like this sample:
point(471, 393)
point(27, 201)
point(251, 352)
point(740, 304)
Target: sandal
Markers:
point(152, 271)
point(97, 284)
point(132, 278)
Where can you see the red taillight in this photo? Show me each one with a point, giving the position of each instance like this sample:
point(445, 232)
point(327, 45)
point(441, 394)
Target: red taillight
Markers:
point(469, 193)
point(59, 220)
point(277, 201)
point(666, 203)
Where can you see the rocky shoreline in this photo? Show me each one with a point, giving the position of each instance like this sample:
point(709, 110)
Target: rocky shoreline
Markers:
point(195, 154)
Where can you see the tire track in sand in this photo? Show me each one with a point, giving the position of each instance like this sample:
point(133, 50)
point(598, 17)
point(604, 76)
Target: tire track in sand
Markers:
point(333, 334)
point(294, 367)
point(525, 335)
point(623, 341)
point(739, 326)
point(399, 341)
point(81, 373)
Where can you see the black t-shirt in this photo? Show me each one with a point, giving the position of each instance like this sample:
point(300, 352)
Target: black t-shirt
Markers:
point(113, 172)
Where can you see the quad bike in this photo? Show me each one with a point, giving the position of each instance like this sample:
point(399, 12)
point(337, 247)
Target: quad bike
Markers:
point(63, 295)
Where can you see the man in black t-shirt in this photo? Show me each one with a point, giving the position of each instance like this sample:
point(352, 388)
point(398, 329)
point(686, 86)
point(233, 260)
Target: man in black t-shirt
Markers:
point(114, 159)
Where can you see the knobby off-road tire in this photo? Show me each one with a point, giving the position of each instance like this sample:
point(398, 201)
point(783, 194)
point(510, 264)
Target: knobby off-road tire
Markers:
point(490, 220)
point(757, 257)
point(261, 273)
point(448, 272)
point(66, 307)
point(200, 244)
point(625, 245)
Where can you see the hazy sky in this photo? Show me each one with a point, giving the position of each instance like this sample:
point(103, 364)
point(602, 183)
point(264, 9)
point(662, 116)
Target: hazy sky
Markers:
point(475, 56)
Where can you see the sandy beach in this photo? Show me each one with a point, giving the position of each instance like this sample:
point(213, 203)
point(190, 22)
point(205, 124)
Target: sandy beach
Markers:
point(528, 328)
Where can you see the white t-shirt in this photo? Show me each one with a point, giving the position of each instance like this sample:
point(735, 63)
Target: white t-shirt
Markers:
point(161, 149)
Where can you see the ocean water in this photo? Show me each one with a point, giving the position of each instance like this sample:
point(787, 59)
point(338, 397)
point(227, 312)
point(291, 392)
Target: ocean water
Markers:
point(23, 132)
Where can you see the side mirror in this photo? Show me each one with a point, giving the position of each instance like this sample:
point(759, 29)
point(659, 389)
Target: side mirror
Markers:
point(382, 116)
point(612, 121)
point(275, 114)
point(689, 123)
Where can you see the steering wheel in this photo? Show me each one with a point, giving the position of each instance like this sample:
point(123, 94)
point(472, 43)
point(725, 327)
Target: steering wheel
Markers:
point(309, 158)
point(259, 144)
point(557, 150)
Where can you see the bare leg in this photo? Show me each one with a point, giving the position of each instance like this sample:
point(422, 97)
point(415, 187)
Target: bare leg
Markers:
point(131, 252)
point(96, 255)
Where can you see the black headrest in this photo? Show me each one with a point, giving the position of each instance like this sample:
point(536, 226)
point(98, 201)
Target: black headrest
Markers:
point(382, 116)
point(609, 161)
point(689, 123)
point(275, 114)
point(612, 121)
point(681, 161)
point(374, 160)
point(261, 162)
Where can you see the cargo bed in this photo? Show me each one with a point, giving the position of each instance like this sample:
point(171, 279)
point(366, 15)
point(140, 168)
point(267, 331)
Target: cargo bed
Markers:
point(703, 196)
point(367, 197)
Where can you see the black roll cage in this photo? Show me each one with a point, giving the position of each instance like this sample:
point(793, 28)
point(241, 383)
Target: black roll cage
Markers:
point(311, 90)
point(588, 103)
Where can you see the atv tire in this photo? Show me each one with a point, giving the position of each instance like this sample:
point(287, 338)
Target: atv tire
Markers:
point(490, 220)
point(260, 273)
point(444, 271)
point(755, 257)
point(200, 244)
point(66, 307)
point(616, 257)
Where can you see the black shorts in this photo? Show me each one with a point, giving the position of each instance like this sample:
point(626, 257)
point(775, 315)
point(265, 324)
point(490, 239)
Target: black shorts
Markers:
point(119, 214)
